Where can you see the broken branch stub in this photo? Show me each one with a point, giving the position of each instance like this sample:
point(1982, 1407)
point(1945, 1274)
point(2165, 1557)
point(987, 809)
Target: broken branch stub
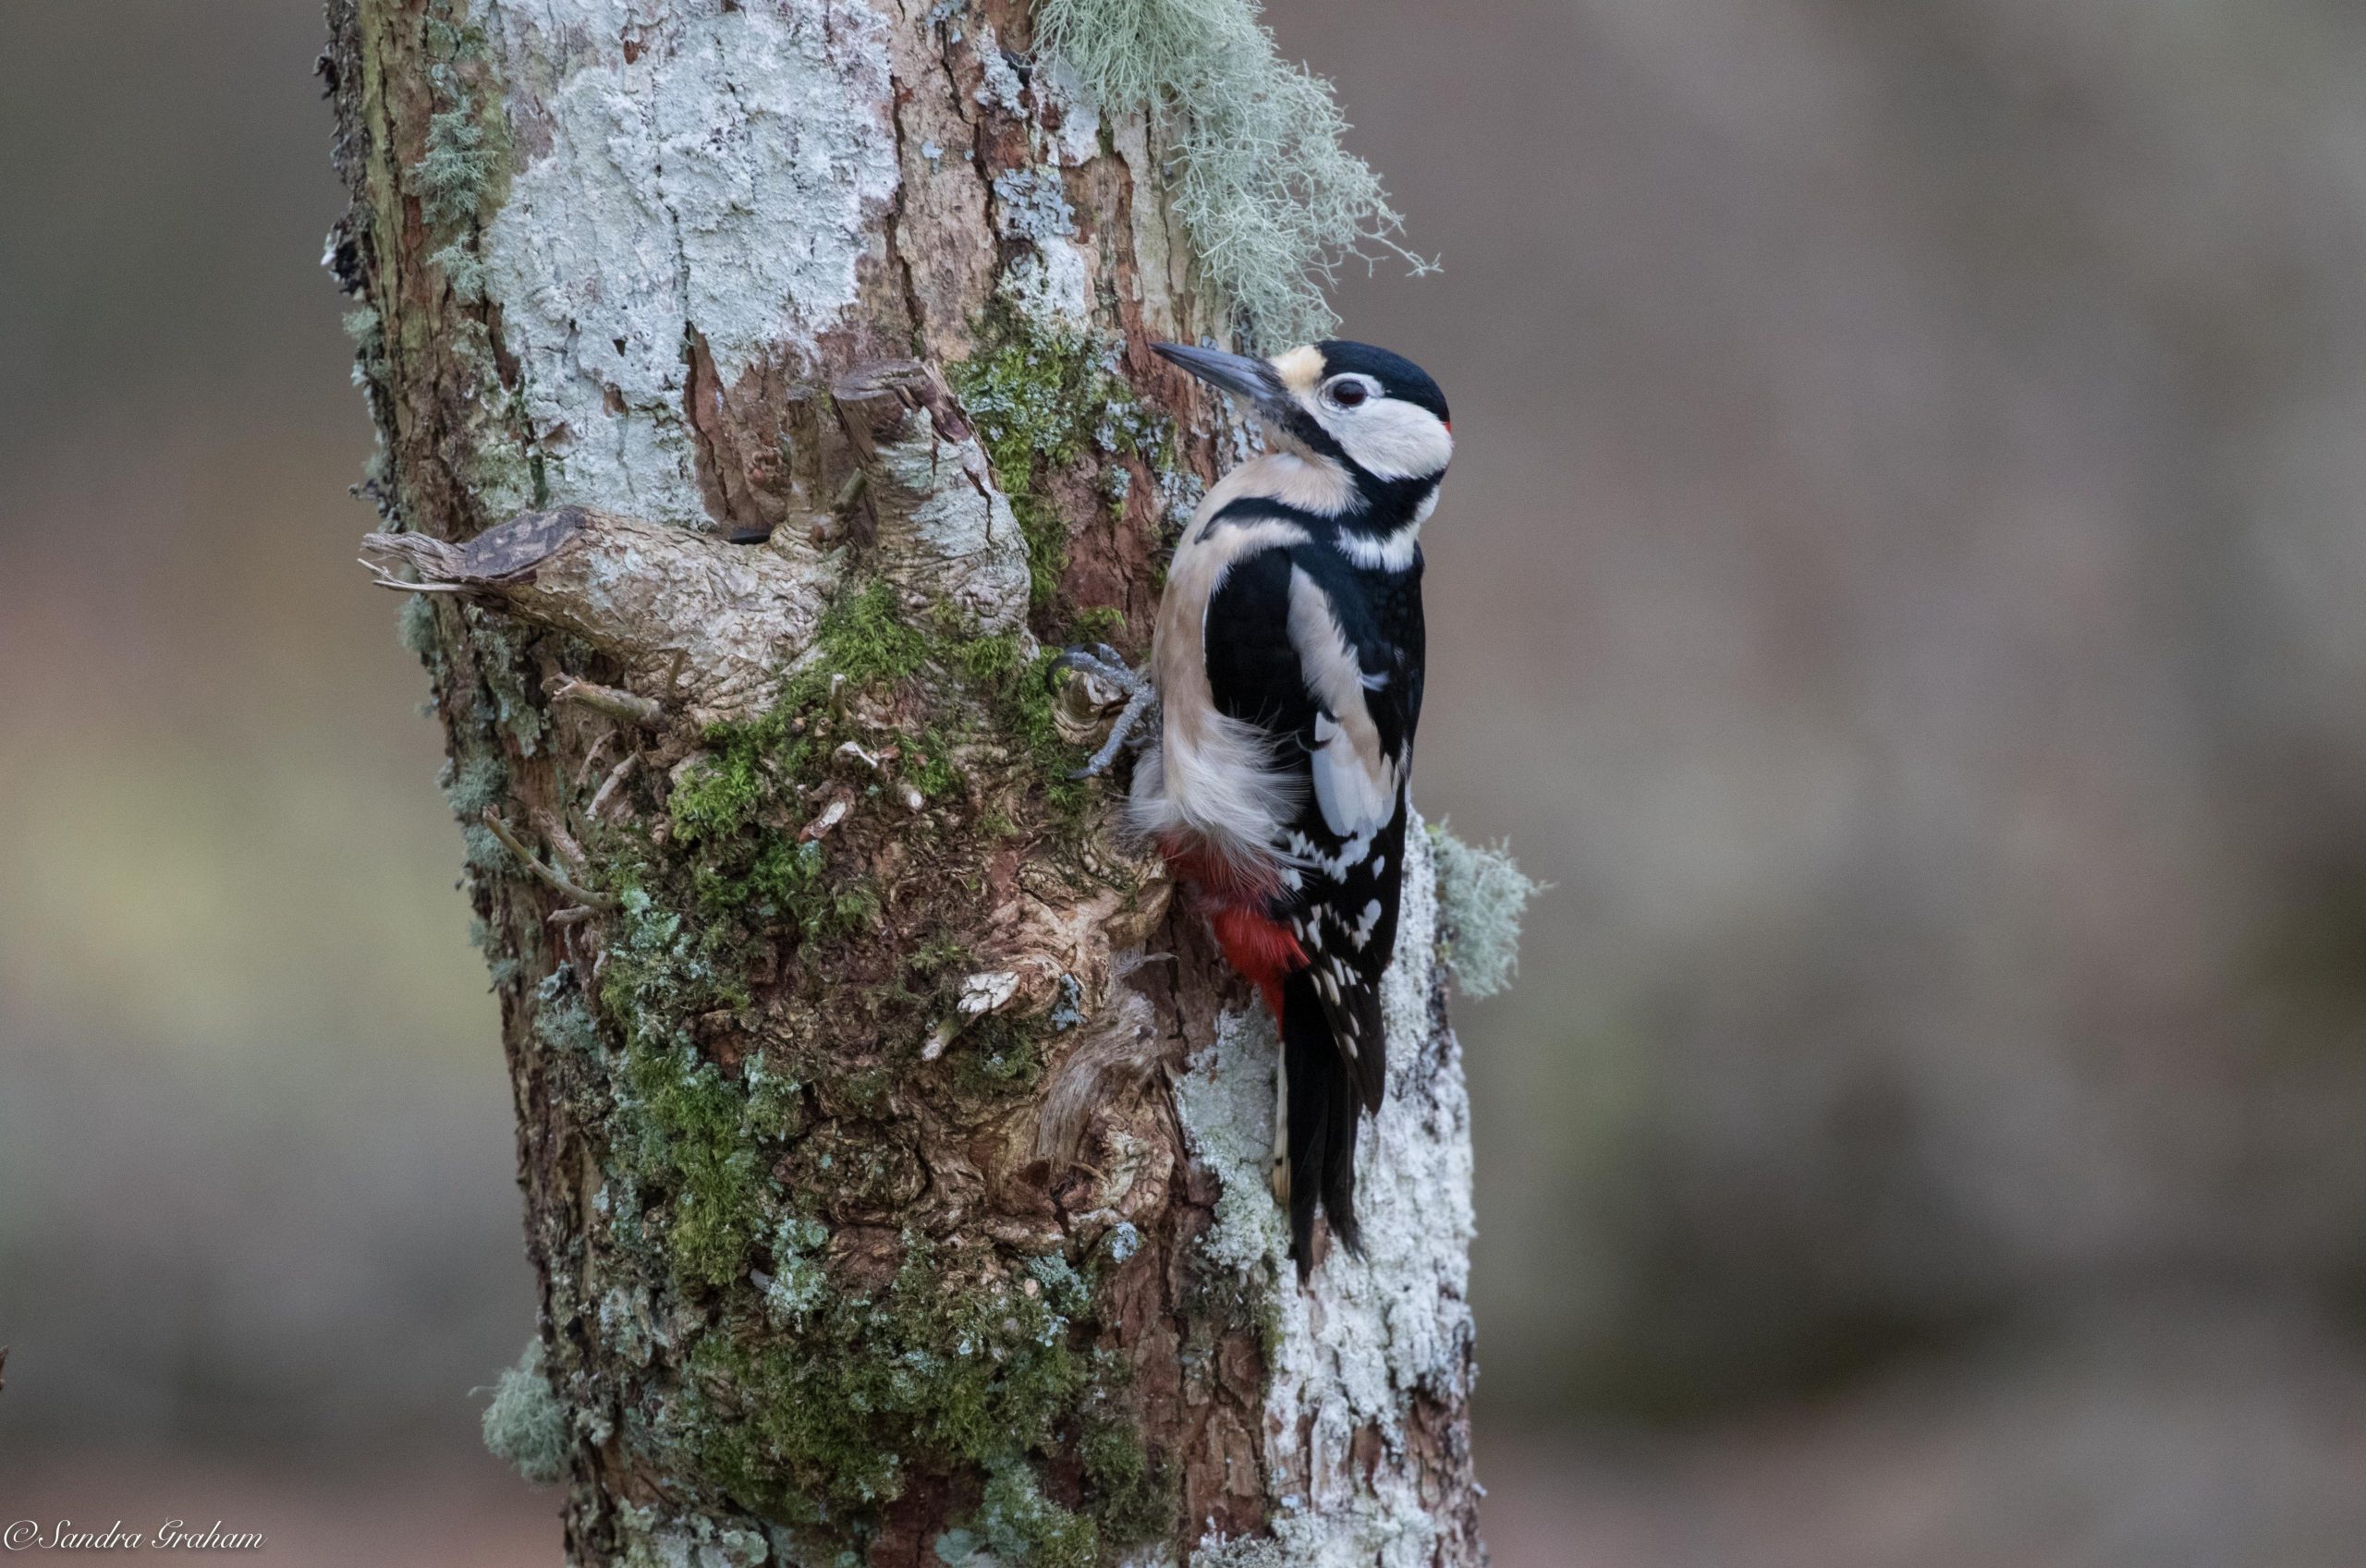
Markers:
point(942, 532)
point(709, 626)
point(689, 616)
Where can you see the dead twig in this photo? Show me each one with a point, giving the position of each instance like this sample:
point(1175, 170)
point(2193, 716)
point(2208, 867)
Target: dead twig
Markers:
point(533, 862)
point(608, 785)
point(623, 706)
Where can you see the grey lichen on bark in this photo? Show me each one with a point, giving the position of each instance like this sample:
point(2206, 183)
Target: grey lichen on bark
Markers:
point(763, 386)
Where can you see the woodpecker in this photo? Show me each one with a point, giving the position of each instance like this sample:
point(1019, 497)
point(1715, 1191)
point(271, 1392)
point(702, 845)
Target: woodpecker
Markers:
point(1287, 669)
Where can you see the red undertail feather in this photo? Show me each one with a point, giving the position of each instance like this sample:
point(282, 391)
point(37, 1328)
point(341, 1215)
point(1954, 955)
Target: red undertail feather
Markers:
point(1261, 948)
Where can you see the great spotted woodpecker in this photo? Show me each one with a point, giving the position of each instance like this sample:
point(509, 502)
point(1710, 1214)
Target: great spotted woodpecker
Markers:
point(1287, 668)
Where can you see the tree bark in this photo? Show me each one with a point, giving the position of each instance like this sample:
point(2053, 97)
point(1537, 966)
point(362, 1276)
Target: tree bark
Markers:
point(762, 385)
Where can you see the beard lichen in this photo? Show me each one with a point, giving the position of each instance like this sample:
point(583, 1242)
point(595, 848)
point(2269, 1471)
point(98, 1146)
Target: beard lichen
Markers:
point(1482, 894)
point(1272, 200)
point(525, 1423)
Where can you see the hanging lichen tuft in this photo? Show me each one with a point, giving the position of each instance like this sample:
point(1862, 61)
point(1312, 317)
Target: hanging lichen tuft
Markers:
point(1482, 894)
point(1272, 202)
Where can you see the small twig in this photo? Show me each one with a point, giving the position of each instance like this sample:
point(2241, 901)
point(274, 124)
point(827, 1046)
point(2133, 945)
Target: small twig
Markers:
point(591, 759)
point(980, 995)
point(624, 706)
point(832, 815)
point(563, 844)
point(533, 863)
point(941, 1037)
point(381, 578)
point(608, 785)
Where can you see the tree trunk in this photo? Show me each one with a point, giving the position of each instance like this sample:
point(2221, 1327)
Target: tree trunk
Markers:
point(762, 385)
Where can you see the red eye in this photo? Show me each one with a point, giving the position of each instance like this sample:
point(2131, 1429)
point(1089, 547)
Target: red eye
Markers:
point(1347, 394)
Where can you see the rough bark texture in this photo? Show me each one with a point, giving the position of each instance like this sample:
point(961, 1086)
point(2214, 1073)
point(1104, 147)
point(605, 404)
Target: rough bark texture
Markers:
point(894, 1154)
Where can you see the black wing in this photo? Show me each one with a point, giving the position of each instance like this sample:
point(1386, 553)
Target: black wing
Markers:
point(1346, 845)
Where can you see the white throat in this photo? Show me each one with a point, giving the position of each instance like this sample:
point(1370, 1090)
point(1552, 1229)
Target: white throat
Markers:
point(1393, 550)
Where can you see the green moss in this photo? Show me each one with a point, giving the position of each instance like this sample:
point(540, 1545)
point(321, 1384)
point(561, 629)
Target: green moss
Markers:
point(1098, 623)
point(1018, 697)
point(734, 807)
point(863, 639)
point(776, 1100)
point(680, 1130)
point(1041, 398)
point(929, 764)
point(737, 810)
point(819, 1425)
point(1024, 1528)
point(693, 921)
point(695, 1135)
point(721, 796)
point(1131, 1499)
point(807, 1398)
point(997, 1056)
point(1034, 393)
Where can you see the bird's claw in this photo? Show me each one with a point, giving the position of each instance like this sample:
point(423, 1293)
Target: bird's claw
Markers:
point(1107, 664)
point(1103, 660)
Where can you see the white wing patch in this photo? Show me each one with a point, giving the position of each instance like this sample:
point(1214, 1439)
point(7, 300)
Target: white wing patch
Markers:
point(1355, 780)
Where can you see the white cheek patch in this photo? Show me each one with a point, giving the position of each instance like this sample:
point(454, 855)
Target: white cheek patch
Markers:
point(1391, 439)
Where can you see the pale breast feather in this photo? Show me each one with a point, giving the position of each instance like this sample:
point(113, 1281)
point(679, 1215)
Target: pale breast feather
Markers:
point(1212, 775)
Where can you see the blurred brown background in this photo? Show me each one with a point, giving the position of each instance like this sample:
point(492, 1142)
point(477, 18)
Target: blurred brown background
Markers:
point(1902, 581)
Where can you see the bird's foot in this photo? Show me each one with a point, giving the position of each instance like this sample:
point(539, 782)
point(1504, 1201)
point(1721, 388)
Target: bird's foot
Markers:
point(1105, 664)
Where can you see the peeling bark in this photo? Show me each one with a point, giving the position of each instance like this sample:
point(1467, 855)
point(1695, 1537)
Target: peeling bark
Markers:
point(894, 1155)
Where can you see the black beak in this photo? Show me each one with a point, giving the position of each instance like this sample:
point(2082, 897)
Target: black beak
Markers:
point(1252, 380)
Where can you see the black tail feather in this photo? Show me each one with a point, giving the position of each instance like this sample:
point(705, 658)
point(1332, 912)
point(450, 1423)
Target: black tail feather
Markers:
point(1322, 1113)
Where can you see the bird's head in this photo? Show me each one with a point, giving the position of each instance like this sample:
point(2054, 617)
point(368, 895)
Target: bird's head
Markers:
point(1376, 412)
